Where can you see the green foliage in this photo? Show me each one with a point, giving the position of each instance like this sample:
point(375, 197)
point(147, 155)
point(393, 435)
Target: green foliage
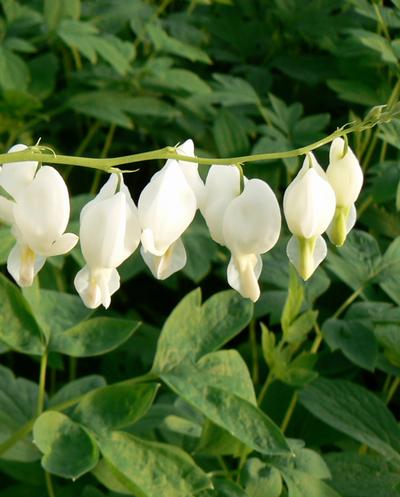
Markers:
point(171, 394)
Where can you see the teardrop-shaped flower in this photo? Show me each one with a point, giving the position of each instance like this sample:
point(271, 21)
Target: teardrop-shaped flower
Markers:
point(166, 206)
point(221, 187)
point(14, 177)
point(345, 175)
point(40, 216)
point(109, 234)
point(251, 226)
point(309, 206)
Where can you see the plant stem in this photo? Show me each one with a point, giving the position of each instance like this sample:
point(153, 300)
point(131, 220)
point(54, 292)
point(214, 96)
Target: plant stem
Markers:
point(49, 484)
point(392, 390)
point(348, 302)
point(104, 153)
point(254, 352)
point(264, 389)
point(42, 383)
point(289, 412)
point(110, 165)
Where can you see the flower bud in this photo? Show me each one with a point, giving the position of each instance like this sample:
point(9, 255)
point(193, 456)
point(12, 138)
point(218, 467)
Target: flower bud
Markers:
point(346, 178)
point(309, 206)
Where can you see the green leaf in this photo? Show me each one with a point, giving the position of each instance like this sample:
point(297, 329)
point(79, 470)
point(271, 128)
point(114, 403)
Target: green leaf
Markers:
point(300, 327)
point(377, 43)
point(232, 91)
point(350, 408)
point(81, 36)
point(7, 241)
point(163, 42)
point(193, 330)
point(54, 311)
point(158, 469)
point(304, 485)
point(363, 475)
point(238, 416)
point(77, 388)
point(230, 135)
point(115, 407)
point(200, 251)
point(18, 400)
point(224, 488)
point(14, 73)
point(106, 476)
point(69, 451)
point(93, 337)
point(388, 337)
point(355, 339)
point(56, 10)
point(389, 277)
point(261, 480)
point(358, 261)
point(18, 328)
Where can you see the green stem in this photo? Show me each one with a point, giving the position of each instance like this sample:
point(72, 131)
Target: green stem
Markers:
point(224, 467)
point(110, 165)
point(289, 412)
point(348, 302)
point(264, 389)
point(392, 390)
point(254, 352)
point(104, 153)
point(49, 484)
point(42, 383)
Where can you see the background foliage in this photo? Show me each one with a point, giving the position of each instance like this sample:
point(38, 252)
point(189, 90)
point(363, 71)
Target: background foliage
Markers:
point(319, 360)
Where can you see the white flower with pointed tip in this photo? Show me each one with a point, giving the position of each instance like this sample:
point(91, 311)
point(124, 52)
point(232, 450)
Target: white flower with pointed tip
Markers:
point(109, 234)
point(167, 206)
point(251, 226)
point(40, 215)
point(221, 187)
point(14, 177)
point(309, 206)
point(345, 175)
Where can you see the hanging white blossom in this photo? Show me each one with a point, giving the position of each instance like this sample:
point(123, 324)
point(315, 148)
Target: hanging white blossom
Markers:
point(109, 234)
point(166, 206)
point(309, 206)
point(247, 223)
point(345, 175)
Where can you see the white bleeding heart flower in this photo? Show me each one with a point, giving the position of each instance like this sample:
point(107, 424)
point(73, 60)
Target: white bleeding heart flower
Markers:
point(167, 206)
point(309, 206)
point(109, 234)
point(345, 175)
point(14, 177)
point(251, 226)
point(221, 187)
point(39, 216)
point(190, 170)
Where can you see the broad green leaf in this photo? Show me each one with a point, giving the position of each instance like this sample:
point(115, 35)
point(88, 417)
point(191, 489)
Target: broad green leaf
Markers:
point(352, 409)
point(232, 91)
point(43, 70)
point(200, 250)
point(7, 241)
point(389, 277)
point(238, 416)
point(224, 488)
point(115, 407)
point(377, 43)
point(172, 79)
point(305, 485)
point(93, 337)
point(104, 473)
point(261, 480)
point(18, 328)
point(77, 388)
point(388, 337)
point(163, 42)
point(68, 449)
point(358, 261)
point(151, 469)
point(79, 35)
point(298, 329)
point(18, 400)
point(54, 311)
point(193, 330)
point(230, 135)
point(363, 475)
point(56, 10)
point(354, 338)
point(14, 73)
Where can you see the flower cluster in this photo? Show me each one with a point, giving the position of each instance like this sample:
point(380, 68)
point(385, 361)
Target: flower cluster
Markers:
point(242, 214)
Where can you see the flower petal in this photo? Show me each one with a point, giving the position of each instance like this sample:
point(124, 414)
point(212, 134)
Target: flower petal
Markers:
point(15, 176)
point(42, 211)
point(6, 210)
point(167, 206)
point(191, 172)
point(252, 221)
point(62, 245)
point(23, 264)
point(96, 287)
point(173, 260)
point(306, 264)
point(222, 186)
point(243, 273)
